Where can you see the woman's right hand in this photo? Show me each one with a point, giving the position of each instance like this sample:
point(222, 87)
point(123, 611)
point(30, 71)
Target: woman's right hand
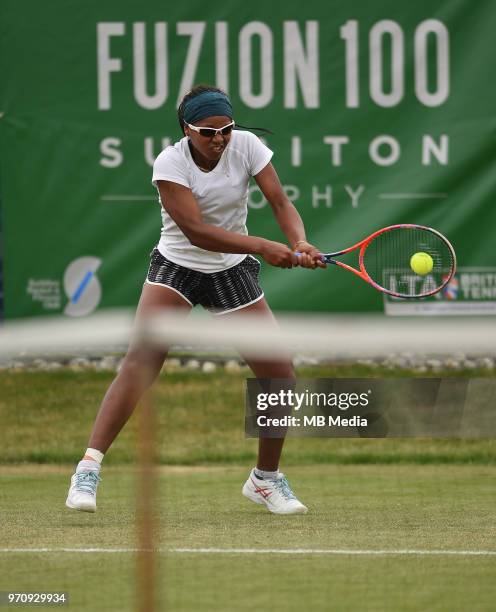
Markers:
point(277, 254)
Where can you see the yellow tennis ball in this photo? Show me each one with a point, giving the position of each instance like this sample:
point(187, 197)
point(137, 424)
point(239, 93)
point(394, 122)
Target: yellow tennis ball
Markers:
point(421, 263)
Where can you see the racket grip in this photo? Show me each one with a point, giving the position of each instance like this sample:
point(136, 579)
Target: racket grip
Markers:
point(321, 255)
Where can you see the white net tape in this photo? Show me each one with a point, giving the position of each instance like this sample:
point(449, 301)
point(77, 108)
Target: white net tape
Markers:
point(323, 335)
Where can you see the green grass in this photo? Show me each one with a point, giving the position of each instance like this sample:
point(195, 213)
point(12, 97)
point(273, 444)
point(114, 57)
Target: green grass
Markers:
point(200, 420)
point(363, 494)
point(351, 507)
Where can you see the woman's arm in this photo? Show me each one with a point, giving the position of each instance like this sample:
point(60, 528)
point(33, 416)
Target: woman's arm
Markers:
point(287, 217)
point(181, 205)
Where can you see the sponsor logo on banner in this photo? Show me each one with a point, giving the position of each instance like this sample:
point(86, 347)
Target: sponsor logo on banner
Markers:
point(46, 291)
point(82, 286)
point(471, 291)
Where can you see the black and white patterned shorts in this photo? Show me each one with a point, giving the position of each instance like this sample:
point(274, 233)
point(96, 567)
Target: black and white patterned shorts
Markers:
point(219, 292)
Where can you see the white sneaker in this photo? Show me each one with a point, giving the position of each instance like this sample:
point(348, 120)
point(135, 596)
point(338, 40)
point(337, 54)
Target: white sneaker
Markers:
point(82, 492)
point(276, 494)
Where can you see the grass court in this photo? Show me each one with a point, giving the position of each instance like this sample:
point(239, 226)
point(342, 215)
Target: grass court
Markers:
point(393, 524)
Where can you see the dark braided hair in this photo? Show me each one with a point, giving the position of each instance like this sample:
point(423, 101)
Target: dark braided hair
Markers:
point(197, 90)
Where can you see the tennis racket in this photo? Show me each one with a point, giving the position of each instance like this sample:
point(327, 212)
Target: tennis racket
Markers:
point(384, 260)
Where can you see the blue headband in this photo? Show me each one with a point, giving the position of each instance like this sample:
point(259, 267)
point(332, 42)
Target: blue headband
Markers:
point(207, 104)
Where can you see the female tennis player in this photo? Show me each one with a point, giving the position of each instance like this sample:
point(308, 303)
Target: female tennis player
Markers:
point(205, 256)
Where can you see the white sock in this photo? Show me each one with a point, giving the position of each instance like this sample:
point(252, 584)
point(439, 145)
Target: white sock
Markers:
point(86, 465)
point(95, 454)
point(266, 475)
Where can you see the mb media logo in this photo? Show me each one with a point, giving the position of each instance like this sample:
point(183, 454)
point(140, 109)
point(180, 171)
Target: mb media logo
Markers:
point(82, 286)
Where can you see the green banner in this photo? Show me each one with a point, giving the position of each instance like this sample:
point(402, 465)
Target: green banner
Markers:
point(383, 113)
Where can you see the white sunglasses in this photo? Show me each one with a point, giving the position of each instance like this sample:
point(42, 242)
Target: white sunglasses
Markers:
point(208, 132)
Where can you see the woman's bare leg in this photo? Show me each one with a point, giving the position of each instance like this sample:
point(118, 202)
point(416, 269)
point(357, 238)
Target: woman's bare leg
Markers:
point(269, 449)
point(138, 371)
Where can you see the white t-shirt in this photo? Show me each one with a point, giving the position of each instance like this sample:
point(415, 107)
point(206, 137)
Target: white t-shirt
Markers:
point(222, 195)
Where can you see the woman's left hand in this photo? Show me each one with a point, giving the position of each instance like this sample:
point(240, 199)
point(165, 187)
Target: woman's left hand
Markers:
point(310, 256)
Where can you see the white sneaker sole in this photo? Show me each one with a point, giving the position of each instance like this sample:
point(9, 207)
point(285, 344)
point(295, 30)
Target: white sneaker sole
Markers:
point(81, 507)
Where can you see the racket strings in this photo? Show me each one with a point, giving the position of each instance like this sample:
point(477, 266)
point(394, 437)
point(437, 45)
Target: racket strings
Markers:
point(387, 260)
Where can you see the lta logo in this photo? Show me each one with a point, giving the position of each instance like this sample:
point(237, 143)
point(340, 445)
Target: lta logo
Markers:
point(82, 286)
